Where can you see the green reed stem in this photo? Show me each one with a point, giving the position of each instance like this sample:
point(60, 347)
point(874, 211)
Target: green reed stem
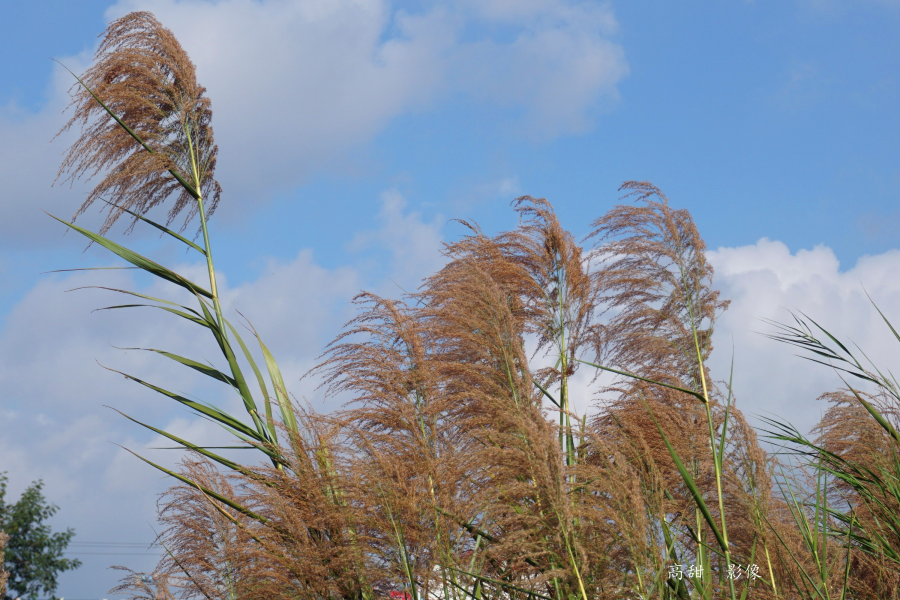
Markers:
point(717, 458)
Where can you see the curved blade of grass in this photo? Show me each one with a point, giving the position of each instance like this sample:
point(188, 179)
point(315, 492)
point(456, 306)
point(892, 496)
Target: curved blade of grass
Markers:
point(188, 313)
point(213, 413)
point(259, 378)
point(88, 269)
point(193, 364)
point(205, 447)
point(719, 458)
point(217, 496)
point(885, 424)
point(240, 382)
point(185, 444)
point(284, 402)
point(137, 260)
point(162, 228)
point(184, 315)
point(639, 378)
point(546, 393)
point(136, 294)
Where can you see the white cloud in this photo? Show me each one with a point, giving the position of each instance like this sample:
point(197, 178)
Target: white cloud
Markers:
point(555, 69)
point(414, 246)
point(29, 165)
point(766, 280)
point(300, 87)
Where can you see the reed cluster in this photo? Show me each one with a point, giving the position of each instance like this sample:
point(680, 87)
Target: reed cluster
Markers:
point(461, 469)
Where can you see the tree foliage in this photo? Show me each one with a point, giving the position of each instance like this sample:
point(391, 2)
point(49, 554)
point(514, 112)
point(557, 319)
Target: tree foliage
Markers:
point(33, 556)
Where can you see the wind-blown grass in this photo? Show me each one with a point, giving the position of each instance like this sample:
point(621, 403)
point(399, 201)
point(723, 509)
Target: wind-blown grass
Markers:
point(460, 469)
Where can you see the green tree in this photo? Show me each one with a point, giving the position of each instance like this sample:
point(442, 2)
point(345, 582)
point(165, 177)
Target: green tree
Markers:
point(33, 556)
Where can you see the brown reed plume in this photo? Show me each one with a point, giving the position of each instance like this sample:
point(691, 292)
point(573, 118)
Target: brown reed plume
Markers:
point(403, 433)
point(208, 545)
point(143, 586)
point(476, 318)
point(654, 274)
point(144, 76)
point(555, 518)
point(559, 295)
point(848, 431)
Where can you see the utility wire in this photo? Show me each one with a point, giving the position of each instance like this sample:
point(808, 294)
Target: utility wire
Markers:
point(114, 543)
point(116, 553)
point(83, 545)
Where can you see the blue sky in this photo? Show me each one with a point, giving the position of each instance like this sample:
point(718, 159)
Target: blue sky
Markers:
point(352, 132)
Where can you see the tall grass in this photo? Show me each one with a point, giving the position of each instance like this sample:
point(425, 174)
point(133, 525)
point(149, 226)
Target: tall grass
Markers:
point(461, 469)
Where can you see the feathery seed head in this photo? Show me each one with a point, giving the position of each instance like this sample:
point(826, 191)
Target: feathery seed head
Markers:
point(148, 81)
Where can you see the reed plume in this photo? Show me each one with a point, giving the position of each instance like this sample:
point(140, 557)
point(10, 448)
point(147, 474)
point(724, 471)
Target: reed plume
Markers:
point(869, 453)
point(144, 77)
point(653, 272)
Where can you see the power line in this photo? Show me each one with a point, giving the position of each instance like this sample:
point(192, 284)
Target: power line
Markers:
point(116, 553)
point(112, 545)
point(115, 543)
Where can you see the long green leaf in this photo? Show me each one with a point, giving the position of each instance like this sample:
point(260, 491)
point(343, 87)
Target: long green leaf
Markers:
point(697, 395)
point(193, 364)
point(259, 378)
point(885, 424)
point(199, 449)
point(207, 491)
point(162, 228)
point(211, 412)
point(136, 294)
point(182, 314)
point(137, 260)
point(89, 269)
point(284, 402)
point(546, 393)
point(237, 374)
point(721, 454)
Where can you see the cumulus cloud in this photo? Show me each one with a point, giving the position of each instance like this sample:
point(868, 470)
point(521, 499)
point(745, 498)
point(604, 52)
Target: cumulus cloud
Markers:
point(414, 246)
point(29, 164)
point(765, 281)
point(303, 86)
